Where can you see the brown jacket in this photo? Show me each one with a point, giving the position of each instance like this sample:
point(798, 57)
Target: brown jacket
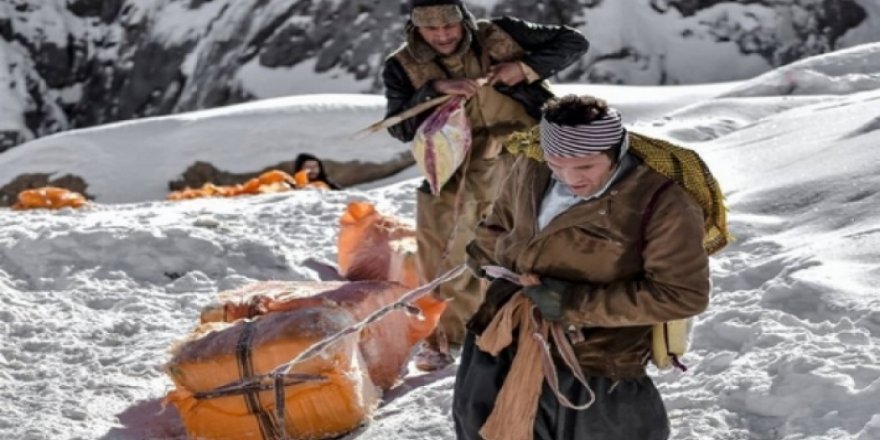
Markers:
point(617, 291)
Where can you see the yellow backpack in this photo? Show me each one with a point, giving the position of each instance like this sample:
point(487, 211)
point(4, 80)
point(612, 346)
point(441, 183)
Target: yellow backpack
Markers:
point(684, 167)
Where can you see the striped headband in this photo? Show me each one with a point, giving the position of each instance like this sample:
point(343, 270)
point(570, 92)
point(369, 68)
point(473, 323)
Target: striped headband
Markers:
point(582, 140)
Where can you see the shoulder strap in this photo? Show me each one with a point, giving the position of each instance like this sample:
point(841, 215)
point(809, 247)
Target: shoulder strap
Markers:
point(661, 332)
point(649, 212)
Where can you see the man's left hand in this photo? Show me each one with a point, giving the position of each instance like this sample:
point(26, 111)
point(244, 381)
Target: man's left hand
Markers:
point(506, 73)
point(547, 296)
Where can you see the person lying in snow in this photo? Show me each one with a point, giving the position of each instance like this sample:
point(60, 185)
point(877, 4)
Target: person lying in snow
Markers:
point(588, 249)
point(314, 170)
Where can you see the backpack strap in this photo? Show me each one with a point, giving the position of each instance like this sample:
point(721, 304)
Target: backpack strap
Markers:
point(649, 212)
point(646, 219)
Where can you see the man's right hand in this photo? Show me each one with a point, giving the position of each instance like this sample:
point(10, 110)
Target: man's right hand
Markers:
point(463, 87)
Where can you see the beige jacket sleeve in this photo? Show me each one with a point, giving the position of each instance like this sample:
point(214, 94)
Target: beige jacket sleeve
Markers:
point(676, 281)
point(499, 221)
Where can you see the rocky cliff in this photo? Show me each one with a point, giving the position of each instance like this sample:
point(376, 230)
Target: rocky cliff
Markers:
point(76, 63)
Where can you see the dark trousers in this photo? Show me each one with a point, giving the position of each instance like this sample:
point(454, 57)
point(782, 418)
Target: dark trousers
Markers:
point(631, 410)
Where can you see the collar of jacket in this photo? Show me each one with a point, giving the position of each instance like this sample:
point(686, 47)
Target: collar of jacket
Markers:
point(626, 164)
point(543, 183)
point(423, 52)
point(559, 197)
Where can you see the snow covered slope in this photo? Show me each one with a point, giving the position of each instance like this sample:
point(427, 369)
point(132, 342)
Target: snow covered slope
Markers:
point(147, 153)
point(789, 348)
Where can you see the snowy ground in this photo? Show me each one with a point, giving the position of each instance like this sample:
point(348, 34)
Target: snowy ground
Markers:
point(789, 348)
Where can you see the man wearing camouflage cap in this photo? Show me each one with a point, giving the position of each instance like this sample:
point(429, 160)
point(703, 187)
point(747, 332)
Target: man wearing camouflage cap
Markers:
point(445, 53)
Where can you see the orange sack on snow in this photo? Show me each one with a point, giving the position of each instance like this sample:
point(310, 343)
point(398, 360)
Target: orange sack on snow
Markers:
point(269, 182)
point(276, 176)
point(207, 190)
point(385, 344)
point(336, 402)
point(372, 246)
point(49, 197)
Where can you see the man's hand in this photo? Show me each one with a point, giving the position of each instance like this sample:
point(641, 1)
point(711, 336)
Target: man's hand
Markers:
point(529, 280)
point(506, 73)
point(548, 297)
point(463, 87)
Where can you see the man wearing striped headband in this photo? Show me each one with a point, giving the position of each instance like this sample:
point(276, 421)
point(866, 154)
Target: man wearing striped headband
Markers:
point(585, 152)
point(499, 67)
point(600, 247)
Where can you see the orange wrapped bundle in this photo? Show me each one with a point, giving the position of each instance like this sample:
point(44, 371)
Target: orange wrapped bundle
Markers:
point(385, 344)
point(207, 190)
point(335, 397)
point(268, 182)
point(276, 176)
point(373, 246)
point(49, 197)
point(184, 194)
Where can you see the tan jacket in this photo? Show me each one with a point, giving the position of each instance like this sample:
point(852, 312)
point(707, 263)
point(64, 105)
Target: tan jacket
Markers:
point(618, 292)
point(492, 114)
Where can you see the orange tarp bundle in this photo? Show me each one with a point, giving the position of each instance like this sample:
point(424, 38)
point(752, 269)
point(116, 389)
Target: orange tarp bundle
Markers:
point(385, 344)
point(373, 246)
point(49, 197)
point(268, 182)
point(207, 190)
point(267, 324)
point(334, 403)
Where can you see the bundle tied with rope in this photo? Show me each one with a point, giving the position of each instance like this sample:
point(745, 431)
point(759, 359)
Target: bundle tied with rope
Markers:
point(284, 397)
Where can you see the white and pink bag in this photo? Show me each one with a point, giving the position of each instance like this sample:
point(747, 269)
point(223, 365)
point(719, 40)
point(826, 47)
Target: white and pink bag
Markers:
point(442, 143)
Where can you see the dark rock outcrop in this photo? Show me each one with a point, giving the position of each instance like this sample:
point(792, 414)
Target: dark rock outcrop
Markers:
point(817, 25)
point(78, 63)
point(9, 192)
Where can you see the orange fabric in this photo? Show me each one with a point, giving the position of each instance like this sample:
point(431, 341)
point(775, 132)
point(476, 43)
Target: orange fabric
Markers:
point(385, 345)
point(276, 176)
point(353, 225)
point(268, 182)
point(301, 178)
point(252, 186)
point(274, 187)
point(313, 410)
point(372, 246)
point(207, 190)
point(49, 197)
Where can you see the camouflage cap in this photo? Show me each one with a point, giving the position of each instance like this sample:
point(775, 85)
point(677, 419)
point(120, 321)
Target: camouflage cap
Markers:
point(436, 15)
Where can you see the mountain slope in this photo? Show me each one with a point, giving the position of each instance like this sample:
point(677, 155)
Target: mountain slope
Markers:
point(78, 63)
